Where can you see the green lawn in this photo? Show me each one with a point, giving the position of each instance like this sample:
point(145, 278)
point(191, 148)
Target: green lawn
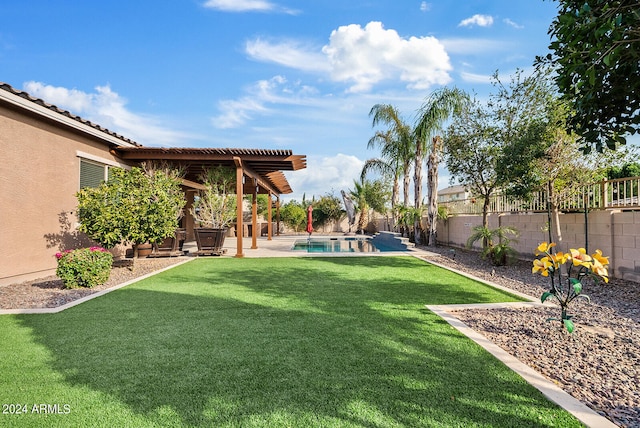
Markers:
point(267, 342)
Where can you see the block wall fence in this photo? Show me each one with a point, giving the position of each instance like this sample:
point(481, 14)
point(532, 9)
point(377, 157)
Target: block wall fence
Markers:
point(616, 233)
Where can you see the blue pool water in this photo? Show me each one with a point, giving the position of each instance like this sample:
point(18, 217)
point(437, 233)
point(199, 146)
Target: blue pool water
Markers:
point(336, 245)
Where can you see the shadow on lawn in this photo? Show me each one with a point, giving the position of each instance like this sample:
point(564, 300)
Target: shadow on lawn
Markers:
point(295, 344)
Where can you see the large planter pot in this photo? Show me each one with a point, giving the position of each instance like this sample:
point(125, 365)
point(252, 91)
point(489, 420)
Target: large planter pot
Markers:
point(210, 241)
point(143, 250)
point(171, 246)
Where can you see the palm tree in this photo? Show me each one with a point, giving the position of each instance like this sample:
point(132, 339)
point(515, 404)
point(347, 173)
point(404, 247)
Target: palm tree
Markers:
point(369, 196)
point(435, 111)
point(359, 196)
point(396, 153)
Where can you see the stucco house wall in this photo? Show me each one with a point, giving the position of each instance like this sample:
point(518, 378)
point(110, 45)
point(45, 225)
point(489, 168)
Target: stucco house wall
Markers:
point(39, 176)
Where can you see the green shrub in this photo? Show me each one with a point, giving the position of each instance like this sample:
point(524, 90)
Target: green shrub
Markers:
point(85, 267)
point(501, 253)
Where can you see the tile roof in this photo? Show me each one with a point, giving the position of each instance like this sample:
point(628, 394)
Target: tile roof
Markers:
point(266, 163)
point(42, 103)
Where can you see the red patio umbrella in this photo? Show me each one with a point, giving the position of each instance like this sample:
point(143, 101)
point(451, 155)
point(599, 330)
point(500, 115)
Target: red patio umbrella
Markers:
point(310, 219)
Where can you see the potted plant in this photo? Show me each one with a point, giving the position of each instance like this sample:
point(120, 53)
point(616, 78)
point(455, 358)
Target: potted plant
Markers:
point(134, 206)
point(214, 208)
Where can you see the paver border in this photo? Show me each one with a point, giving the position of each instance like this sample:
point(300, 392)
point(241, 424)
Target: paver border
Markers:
point(554, 393)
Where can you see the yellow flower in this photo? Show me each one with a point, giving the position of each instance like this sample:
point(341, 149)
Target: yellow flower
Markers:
point(544, 248)
point(600, 270)
point(599, 264)
point(561, 258)
point(542, 266)
point(580, 257)
point(600, 258)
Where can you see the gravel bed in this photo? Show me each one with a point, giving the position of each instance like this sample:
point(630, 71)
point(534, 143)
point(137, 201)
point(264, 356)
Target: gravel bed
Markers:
point(50, 292)
point(598, 364)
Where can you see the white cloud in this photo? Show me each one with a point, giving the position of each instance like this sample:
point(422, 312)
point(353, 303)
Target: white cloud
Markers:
point(479, 20)
point(289, 53)
point(363, 57)
point(247, 6)
point(425, 7)
point(369, 55)
point(475, 78)
point(513, 24)
point(107, 109)
point(325, 175)
point(277, 90)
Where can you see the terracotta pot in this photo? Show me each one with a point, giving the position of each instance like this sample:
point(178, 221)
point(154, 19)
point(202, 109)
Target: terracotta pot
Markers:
point(144, 250)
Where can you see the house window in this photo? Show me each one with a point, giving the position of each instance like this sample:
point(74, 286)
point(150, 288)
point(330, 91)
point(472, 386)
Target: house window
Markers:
point(96, 169)
point(92, 174)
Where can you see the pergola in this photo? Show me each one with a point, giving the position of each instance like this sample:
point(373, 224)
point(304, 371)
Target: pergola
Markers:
point(257, 171)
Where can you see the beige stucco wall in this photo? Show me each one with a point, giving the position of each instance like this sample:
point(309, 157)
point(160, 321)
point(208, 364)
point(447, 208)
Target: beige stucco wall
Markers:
point(39, 176)
point(616, 233)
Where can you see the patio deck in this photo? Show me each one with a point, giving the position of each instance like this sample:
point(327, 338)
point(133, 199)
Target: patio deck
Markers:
point(280, 246)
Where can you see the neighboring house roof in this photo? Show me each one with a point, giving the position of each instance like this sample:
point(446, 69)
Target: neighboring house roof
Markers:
point(36, 105)
point(451, 190)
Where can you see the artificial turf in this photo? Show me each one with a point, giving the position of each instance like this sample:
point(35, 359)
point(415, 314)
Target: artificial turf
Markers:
point(333, 341)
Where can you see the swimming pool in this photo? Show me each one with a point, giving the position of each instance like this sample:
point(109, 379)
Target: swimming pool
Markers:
point(336, 245)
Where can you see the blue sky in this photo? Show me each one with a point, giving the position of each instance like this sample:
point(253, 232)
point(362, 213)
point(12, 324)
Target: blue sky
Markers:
point(274, 74)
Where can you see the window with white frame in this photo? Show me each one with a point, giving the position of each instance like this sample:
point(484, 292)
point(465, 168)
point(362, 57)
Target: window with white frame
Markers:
point(92, 173)
point(94, 170)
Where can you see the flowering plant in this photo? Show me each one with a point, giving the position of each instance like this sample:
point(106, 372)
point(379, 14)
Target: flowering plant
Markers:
point(579, 265)
point(85, 267)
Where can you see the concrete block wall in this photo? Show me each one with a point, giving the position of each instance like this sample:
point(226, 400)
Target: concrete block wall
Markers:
point(616, 233)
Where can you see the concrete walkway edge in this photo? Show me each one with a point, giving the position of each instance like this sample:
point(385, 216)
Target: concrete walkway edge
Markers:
point(554, 393)
point(90, 296)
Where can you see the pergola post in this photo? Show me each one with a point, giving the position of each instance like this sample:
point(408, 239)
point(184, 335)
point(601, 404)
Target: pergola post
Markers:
point(278, 215)
point(239, 193)
point(269, 212)
point(254, 216)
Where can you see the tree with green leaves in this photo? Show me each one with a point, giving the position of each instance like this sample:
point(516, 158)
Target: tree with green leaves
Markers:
point(471, 152)
point(294, 215)
point(596, 53)
point(327, 209)
point(132, 207)
point(529, 117)
point(539, 154)
point(631, 169)
point(396, 153)
point(215, 206)
point(439, 107)
point(368, 195)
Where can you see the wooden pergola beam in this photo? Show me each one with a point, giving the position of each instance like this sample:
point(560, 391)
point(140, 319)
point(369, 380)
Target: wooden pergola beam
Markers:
point(264, 167)
point(239, 192)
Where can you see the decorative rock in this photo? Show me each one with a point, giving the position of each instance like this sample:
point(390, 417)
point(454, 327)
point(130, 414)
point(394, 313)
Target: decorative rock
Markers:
point(598, 363)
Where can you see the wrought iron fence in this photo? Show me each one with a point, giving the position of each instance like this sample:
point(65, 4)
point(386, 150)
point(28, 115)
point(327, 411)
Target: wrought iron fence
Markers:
point(622, 193)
